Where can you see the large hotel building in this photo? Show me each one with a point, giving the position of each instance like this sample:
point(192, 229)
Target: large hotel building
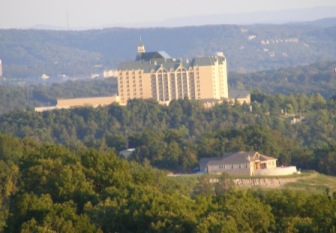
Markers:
point(158, 76)
point(155, 75)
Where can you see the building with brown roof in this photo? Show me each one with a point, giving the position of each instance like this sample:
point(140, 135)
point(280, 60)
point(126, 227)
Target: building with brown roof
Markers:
point(240, 96)
point(244, 164)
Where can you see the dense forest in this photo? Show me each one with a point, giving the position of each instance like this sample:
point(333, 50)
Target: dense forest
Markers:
point(60, 170)
point(314, 78)
point(15, 97)
point(50, 188)
point(31, 53)
point(175, 137)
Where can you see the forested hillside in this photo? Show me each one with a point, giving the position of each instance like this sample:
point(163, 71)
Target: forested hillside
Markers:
point(49, 188)
point(175, 137)
point(26, 97)
point(31, 53)
point(60, 170)
point(314, 78)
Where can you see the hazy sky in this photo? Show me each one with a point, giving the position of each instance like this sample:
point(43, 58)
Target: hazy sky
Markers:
point(99, 13)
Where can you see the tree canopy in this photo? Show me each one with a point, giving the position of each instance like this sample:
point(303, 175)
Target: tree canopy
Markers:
point(51, 188)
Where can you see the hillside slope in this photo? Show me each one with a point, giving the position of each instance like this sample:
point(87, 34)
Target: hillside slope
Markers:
point(29, 53)
point(313, 78)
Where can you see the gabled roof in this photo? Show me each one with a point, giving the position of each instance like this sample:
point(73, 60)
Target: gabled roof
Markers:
point(207, 61)
point(240, 157)
point(265, 158)
point(238, 94)
point(207, 160)
point(147, 56)
point(148, 61)
point(237, 158)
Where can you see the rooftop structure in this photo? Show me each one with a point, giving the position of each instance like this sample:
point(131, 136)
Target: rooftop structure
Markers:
point(158, 76)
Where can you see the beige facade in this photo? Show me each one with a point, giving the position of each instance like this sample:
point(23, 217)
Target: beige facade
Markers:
point(158, 76)
point(92, 101)
point(80, 102)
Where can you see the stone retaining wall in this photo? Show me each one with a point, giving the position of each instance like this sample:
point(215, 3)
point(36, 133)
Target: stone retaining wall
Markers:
point(263, 182)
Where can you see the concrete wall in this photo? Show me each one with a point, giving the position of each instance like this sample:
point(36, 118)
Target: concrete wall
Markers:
point(263, 182)
point(80, 102)
point(279, 171)
point(43, 109)
point(94, 102)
